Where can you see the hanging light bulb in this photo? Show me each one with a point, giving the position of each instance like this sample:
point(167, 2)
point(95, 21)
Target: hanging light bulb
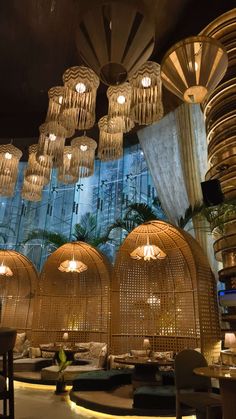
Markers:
point(72, 266)
point(148, 252)
point(5, 270)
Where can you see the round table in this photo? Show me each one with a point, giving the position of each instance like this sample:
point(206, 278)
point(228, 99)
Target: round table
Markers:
point(69, 351)
point(227, 381)
point(146, 371)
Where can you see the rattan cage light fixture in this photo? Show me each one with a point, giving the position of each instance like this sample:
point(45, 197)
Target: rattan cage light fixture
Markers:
point(83, 156)
point(38, 171)
point(119, 107)
point(31, 192)
point(121, 40)
point(9, 160)
point(172, 301)
point(110, 145)
point(51, 142)
point(193, 67)
point(64, 174)
point(56, 106)
point(71, 302)
point(81, 85)
point(17, 291)
point(146, 85)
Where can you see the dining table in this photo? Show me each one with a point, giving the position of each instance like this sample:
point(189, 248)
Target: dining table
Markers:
point(227, 382)
point(146, 370)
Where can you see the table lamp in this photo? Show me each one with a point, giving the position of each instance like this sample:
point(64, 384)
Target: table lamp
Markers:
point(65, 337)
point(230, 341)
point(147, 346)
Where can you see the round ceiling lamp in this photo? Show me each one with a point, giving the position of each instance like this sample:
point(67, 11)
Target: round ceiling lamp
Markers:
point(51, 142)
point(110, 145)
point(192, 68)
point(147, 104)
point(119, 98)
point(83, 156)
point(119, 43)
point(81, 85)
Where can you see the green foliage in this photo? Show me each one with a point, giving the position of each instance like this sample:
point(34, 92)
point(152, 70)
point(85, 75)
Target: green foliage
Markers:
point(63, 363)
point(56, 239)
point(190, 213)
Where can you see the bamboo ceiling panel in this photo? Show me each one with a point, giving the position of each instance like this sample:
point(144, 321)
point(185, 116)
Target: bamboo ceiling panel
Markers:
point(17, 292)
point(171, 301)
point(76, 303)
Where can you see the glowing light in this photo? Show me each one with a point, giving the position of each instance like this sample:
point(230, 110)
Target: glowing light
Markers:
point(148, 252)
point(69, 155)
point(146, 81)
point(52, 137)
point(5, 270)
point(8, 156)
point(80, 88)
point(121, 99)
point(83, 147)
point(72, 266)
point(60, 99)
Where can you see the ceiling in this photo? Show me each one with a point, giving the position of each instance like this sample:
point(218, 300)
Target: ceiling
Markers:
point(37, 44)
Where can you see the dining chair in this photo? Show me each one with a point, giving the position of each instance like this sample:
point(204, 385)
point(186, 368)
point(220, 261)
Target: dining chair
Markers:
point(192, 390)
point(7, 342)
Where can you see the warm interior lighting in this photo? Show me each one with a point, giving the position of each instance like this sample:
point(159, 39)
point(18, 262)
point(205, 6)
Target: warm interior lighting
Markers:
point(83, 147)
point(146, 81)
point(8, 156)
point(80, 88)
point(72, 266)
point(5, 270)
point(121, 99)
point(83, 156)
point(230, 341)
point(52, 137)
point(148, 252)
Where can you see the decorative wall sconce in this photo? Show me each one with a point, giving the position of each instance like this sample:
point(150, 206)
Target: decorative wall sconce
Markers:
point(193, 67)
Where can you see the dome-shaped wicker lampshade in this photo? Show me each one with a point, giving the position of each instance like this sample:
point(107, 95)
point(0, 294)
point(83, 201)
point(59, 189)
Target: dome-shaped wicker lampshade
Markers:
point(192, 68)
point(172, 300)
point(120, 41)
point(147, 94)
point(17, 291)
point(83, 156)
point(64, 171)
point(81, 85)
point(9, 160)
point(119, 98)
point(72, 302)
point(52, 141)
point(110, 145)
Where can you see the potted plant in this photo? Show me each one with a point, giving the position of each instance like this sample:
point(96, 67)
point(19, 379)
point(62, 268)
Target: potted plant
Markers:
point(62, 364)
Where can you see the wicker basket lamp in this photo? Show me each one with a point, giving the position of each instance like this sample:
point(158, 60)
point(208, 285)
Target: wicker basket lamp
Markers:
point(171, 300)
point(17, 290)
point(71, 302)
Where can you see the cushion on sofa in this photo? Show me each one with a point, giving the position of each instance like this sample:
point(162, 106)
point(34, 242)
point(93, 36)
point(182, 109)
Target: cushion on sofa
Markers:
point(35, 352)
point(20, 338)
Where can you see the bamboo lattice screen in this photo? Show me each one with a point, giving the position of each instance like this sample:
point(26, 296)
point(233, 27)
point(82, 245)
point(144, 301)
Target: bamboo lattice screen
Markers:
point(76, 303)
point(17, 291)
point(171, 301)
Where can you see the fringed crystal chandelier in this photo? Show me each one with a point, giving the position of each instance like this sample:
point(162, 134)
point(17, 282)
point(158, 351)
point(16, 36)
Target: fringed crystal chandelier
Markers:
point(83, 156)
point(31, 191)
point(193, 67)
point(52, 141)
point(9, 160)
point(119, 98)
point(64, 171)
point(81, 85)
point(148, 252)
point(147, 94)
point(110, 139)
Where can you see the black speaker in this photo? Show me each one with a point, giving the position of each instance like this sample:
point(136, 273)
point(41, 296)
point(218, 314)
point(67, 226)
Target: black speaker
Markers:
point(212, 193)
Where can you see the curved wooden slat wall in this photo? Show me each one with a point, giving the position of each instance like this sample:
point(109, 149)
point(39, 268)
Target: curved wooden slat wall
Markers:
point(171, 301)
point(17, 292)
point(72, 302)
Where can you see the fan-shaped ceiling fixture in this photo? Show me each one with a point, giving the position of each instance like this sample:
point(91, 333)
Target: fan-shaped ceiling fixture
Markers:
point(193, 67)
point(115, 38)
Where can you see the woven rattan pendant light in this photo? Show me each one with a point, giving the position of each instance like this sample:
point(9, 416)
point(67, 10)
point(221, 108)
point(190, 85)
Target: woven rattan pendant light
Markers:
point(147, 94)
point(56, 106)
point(64, 171)
point(52, 141)
point(192, 68)
point(114, 38)
point(83, 156)
point(9, 160)
point(110, 139)
point(119, 98)
point(40, 168)
point(31, 191)
point(81, 85)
